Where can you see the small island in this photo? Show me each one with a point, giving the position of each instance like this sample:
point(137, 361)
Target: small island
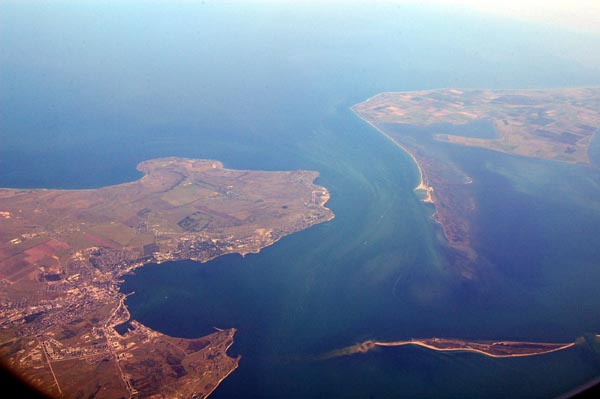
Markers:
point(63, 254)
point(554, 124)
point(497, 349)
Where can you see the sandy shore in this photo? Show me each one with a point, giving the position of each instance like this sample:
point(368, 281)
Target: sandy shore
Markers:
point(447, 345)
point(464, 349)
point(422, 186)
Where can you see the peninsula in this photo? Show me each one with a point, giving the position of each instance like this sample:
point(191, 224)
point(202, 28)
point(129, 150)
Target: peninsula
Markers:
point(64, 325)
point(556, 124)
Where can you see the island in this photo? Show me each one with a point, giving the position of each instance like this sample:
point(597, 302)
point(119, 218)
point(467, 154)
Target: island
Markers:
point(64, 324)
point(488, 348)
point(554, 124)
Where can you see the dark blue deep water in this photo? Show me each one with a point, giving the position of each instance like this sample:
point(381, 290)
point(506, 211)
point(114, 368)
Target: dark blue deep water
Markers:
point(88, 91)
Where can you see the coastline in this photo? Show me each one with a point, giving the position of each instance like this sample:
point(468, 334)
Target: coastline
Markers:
point(422, 186)
point(230, 371)
point(451, 345)
point(96, 265)
point(459, 349)
point(453, 224)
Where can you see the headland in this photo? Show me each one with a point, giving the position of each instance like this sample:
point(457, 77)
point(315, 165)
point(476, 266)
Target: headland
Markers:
point(63, 253)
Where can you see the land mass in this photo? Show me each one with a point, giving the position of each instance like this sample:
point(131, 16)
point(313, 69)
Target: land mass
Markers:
point(557, 124)
point(63, 254)
point(487, 348)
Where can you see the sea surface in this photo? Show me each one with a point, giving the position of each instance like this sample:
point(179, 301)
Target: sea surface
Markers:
point(89, 90)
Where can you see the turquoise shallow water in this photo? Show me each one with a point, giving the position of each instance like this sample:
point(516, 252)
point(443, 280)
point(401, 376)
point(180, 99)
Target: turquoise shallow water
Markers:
point(88, 91)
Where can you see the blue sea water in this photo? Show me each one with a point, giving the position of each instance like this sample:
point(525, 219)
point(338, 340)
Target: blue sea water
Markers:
point(89, 90)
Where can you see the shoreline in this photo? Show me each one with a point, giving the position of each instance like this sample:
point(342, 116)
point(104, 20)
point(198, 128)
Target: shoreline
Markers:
point(446, 218)
point(514, 154)
point(237, 365)
point(422, 186)
point(97, 267)
point(459, 346)
point(460, 349)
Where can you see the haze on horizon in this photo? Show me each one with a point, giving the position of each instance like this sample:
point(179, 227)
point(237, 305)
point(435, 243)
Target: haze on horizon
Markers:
point(576, 15)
